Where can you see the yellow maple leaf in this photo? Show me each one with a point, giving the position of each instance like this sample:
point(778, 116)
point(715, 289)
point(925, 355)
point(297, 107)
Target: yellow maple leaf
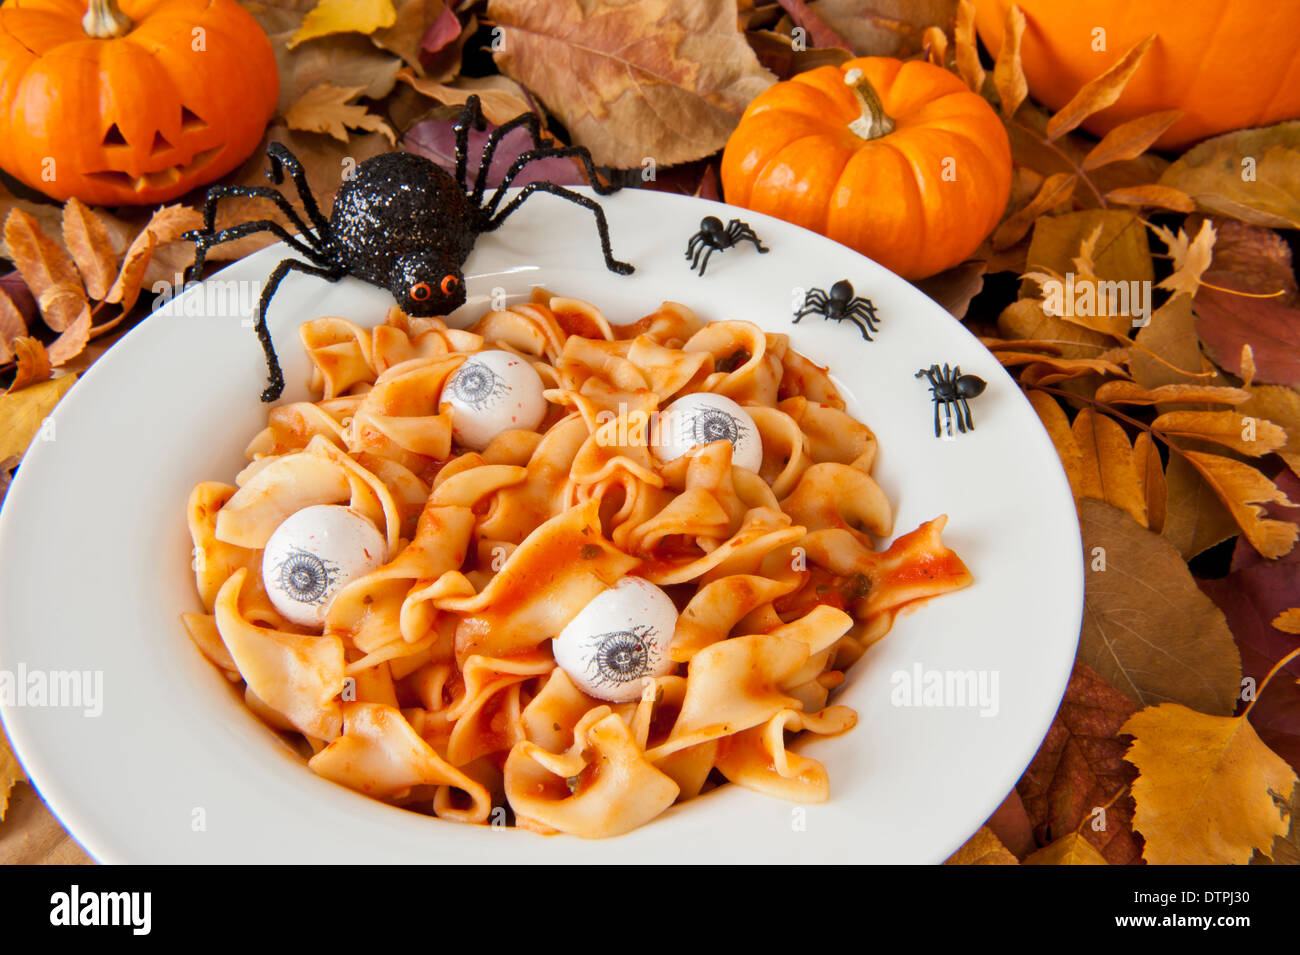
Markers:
point(1209, 792)
point(24, 410)
point(11, 774)
point(344, 16)
point(1070, 850)
point(327, 109)
point(983, 848)
point(1191, 257)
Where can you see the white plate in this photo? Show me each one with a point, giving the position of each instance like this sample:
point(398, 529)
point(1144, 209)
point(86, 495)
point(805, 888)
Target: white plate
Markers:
point(96, 562)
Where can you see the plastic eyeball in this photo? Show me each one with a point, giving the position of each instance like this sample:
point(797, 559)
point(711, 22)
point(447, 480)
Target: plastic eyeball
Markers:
point(702, 418)
point(313, 554)
point(493, 391)
point(617, 640)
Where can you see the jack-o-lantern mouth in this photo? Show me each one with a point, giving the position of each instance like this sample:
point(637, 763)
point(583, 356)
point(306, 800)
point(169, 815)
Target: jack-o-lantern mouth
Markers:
point(115, 143)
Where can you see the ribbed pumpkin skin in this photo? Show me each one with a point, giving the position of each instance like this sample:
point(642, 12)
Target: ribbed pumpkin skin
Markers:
point(62, 92)
point(793, 156)
point(1227, 64)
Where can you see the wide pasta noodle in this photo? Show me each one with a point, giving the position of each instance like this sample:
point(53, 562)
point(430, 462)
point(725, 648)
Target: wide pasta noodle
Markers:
point(431, 683)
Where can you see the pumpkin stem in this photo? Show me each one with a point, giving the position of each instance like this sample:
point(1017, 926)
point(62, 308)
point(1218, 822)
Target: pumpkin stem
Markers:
point(874, 122)
point(103, 20)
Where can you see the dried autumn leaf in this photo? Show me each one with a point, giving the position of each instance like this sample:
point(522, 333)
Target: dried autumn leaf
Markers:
point(1243, 490)
point(72, 340)
point(11, 774)
point(1063, 439)
point(60, 305)
point(1147, 629)
point(1252, 259)
point(1131, 139)
point(169, 223)
point(983, 848)
point(1231, 429)
point(126, 287)
point(954, 288)
point(777, 53)
point(1205, 787)
point(1055, 190)
point(1008, 72)
point(45, 267)
point(818, 30)
point(1074, 779)
point(23, 411)
point(1099, 93)
point(885, 27)
point(1107, 470)
point(1196, 519)
point(1152, 196)
point(414, 21)
point(88, 242)
point(1116, 238)
point(1191, 257)
point(12, 325)
point(33, 362)
point(1073, 849)
point(1281, 405)
point(1151, 480)
point(1286, 849)
point(1025, 319)
point(935, 45)
point(502, 99)
point(344, 16)
point(1252, 175)
point(1228, 322)
point(327, 109)
point(1132, 393)
point(967, 52)
point(1288, 620)
point(1166, 350)
point(667, 80)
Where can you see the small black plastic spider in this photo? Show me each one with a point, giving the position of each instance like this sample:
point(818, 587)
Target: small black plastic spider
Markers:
point(950, 390)
point(400, 222)
point(839, 305)
point(713, 237)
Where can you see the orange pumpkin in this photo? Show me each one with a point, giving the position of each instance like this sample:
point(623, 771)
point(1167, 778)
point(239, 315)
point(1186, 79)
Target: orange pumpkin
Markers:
point(1225, 63)
point(136, 105)
point(905, 164)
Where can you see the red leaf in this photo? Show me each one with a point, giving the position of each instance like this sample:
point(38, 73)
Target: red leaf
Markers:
point(1226, 321)
point(819, 31)
point(441, 32)
point(1081, 766)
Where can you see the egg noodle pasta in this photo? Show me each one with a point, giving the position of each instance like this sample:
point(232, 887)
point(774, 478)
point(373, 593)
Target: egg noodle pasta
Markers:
point(430, 679)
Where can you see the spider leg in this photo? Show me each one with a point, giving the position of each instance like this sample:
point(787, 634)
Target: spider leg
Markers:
point(737, 231)
point(970, 423)
point(548, 152)
point(281, 161)
point(705, 264)
point(275, 384)
point(699, 251)
point(217, 193)
point(861, 324)
point(813, 303)
point(695, 240)
point(611, 263)
point(470, 114)
point(205, 240)
point(863, 308)
point(527, 120)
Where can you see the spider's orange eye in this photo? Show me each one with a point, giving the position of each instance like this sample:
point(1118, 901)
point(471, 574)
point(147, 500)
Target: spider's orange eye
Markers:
point(449, 283)
point(421, 291)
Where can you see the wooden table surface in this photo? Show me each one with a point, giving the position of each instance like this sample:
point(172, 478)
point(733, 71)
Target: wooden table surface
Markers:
point(30, 835)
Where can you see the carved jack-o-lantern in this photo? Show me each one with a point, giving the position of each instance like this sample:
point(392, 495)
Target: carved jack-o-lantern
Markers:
point(132, 105)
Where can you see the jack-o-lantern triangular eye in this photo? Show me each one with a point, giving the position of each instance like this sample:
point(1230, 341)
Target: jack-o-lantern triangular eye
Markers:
point(114, 137)
point(190, 122)
point(160, 144)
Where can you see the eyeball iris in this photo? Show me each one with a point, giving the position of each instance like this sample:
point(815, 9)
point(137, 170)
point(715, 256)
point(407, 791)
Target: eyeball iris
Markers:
point(616, 641)
point(420, 292)
point(313, 554)
point(449, 283)
point(699, 419)
point(492, 392)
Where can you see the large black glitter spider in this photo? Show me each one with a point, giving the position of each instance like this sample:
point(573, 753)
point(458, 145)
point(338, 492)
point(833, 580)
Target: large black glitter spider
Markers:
point(714, 237)
point(839, 305)
point(950, 390)
point(400, 222)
